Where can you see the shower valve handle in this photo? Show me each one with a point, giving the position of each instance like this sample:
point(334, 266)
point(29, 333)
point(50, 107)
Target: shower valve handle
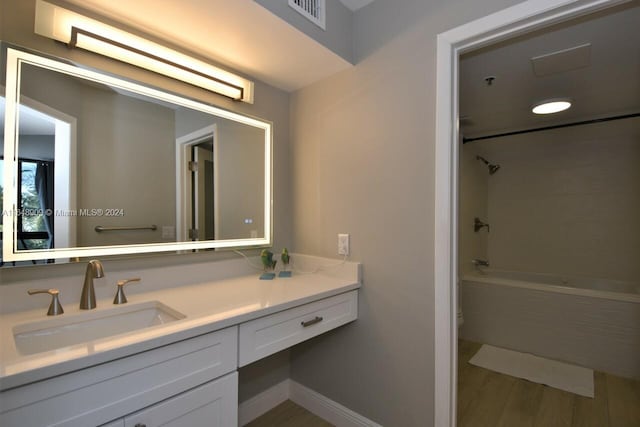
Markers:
point(477, 225)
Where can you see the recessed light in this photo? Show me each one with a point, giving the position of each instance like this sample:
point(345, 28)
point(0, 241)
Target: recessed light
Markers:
point(551, 106)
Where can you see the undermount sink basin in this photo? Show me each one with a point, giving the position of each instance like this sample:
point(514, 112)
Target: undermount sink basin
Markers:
point(65, 330)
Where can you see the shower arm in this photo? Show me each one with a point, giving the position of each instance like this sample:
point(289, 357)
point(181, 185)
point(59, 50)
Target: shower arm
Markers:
point(492, 168)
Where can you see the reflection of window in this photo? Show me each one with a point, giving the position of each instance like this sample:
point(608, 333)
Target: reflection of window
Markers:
point(34, 204)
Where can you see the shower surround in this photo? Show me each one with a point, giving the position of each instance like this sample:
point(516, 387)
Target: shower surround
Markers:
point(593, 323)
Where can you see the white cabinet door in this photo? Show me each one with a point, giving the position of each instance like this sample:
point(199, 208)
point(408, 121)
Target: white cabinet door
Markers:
point(102, 393)
point(214, 404)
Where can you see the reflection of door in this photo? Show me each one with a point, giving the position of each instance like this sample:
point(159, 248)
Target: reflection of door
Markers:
point(46, 137)
point(196, 185)
point(202, 194)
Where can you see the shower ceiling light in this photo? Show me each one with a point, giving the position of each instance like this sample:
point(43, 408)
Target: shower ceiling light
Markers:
point(78, 31)
point(551, 106)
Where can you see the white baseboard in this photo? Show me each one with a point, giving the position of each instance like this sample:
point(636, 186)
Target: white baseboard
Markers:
point(314, 402)
point(252, 408)
point(327, 409)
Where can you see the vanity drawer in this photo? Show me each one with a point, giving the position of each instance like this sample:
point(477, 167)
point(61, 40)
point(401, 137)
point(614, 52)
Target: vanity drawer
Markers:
point(101, 393)
point(267, 335)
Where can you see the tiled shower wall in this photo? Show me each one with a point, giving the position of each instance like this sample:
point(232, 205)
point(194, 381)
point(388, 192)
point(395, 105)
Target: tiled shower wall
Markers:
point(567, 201)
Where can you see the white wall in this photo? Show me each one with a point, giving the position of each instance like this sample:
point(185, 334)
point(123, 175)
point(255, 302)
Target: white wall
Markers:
point(363, 145)
point(567, 201)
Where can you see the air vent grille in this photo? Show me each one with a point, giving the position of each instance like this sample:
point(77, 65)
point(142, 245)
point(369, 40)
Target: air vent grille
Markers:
point(313, 10)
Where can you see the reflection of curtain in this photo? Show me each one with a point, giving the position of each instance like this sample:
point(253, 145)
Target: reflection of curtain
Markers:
point(44, 186)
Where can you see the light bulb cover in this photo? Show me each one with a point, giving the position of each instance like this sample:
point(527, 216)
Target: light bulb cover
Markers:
point(551, 106)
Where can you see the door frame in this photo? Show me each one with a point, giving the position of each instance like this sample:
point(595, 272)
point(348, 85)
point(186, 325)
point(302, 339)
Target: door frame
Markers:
point(183, 185)
point(508, 23)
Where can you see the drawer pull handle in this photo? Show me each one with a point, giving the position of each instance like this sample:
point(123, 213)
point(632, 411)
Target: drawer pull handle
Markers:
point(140, 425)
point(313, 321)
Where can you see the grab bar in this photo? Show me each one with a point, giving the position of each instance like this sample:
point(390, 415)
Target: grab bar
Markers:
point(100, 228)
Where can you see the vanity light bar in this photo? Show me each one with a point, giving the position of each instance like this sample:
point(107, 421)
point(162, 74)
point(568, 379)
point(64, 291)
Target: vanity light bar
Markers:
point(78, 31)
point(96, 43)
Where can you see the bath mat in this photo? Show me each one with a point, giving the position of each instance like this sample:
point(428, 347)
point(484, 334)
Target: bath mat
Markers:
point(563, 376)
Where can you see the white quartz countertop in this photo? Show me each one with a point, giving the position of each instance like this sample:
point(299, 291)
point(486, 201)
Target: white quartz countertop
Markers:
point(207, 307)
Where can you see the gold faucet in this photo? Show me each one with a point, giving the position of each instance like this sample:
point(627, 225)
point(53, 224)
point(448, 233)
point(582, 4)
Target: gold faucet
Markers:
point(88, 298)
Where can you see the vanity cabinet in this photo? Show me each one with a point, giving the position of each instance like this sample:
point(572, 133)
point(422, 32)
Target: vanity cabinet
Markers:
point(192, 382)
point(213, 404)
point(102, 393)
point(267, 335)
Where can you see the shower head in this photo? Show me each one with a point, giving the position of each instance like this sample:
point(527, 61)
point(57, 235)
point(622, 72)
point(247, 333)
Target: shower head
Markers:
point(492, 168)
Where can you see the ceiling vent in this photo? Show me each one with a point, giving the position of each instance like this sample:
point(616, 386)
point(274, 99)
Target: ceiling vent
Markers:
point(562, 60)
point(313, 10)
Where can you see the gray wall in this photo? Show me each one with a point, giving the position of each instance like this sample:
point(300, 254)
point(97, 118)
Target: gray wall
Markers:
point(362, 163)
point(339, 23)
point(125, 151)
point(40, 147)
point(241, 175)
point(16, 26)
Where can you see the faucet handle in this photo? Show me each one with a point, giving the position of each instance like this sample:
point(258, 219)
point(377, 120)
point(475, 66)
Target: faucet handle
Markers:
point(120, 297)
point(54, 308)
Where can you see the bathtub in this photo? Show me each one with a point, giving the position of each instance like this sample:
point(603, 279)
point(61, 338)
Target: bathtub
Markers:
point(588, 322)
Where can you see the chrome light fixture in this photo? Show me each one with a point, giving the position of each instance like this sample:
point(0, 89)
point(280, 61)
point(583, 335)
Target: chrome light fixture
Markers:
point(78, 31)
point(551, 106)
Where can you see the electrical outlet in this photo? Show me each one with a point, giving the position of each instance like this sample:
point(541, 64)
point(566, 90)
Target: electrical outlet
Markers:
point(343, 244)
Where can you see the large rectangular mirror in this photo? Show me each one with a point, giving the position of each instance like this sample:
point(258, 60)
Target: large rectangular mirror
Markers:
point(97, 165)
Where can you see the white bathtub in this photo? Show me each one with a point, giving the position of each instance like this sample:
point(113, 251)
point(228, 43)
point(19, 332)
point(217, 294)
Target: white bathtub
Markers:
point(588, 322)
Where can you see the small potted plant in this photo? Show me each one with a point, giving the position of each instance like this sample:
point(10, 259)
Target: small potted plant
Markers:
point(269, 265)
point(285, 264)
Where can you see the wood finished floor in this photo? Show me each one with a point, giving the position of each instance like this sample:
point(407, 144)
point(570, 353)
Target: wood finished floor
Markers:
point(288, 414)
point(490, 399)
point(487, 398)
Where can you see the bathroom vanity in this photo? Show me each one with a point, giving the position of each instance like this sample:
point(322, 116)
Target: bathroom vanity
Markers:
point(170, 355)
point(182, 371)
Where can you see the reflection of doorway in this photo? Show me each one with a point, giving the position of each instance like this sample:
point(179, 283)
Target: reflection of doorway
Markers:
point(46, 137)
point(197, 207)
point(202, 191)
